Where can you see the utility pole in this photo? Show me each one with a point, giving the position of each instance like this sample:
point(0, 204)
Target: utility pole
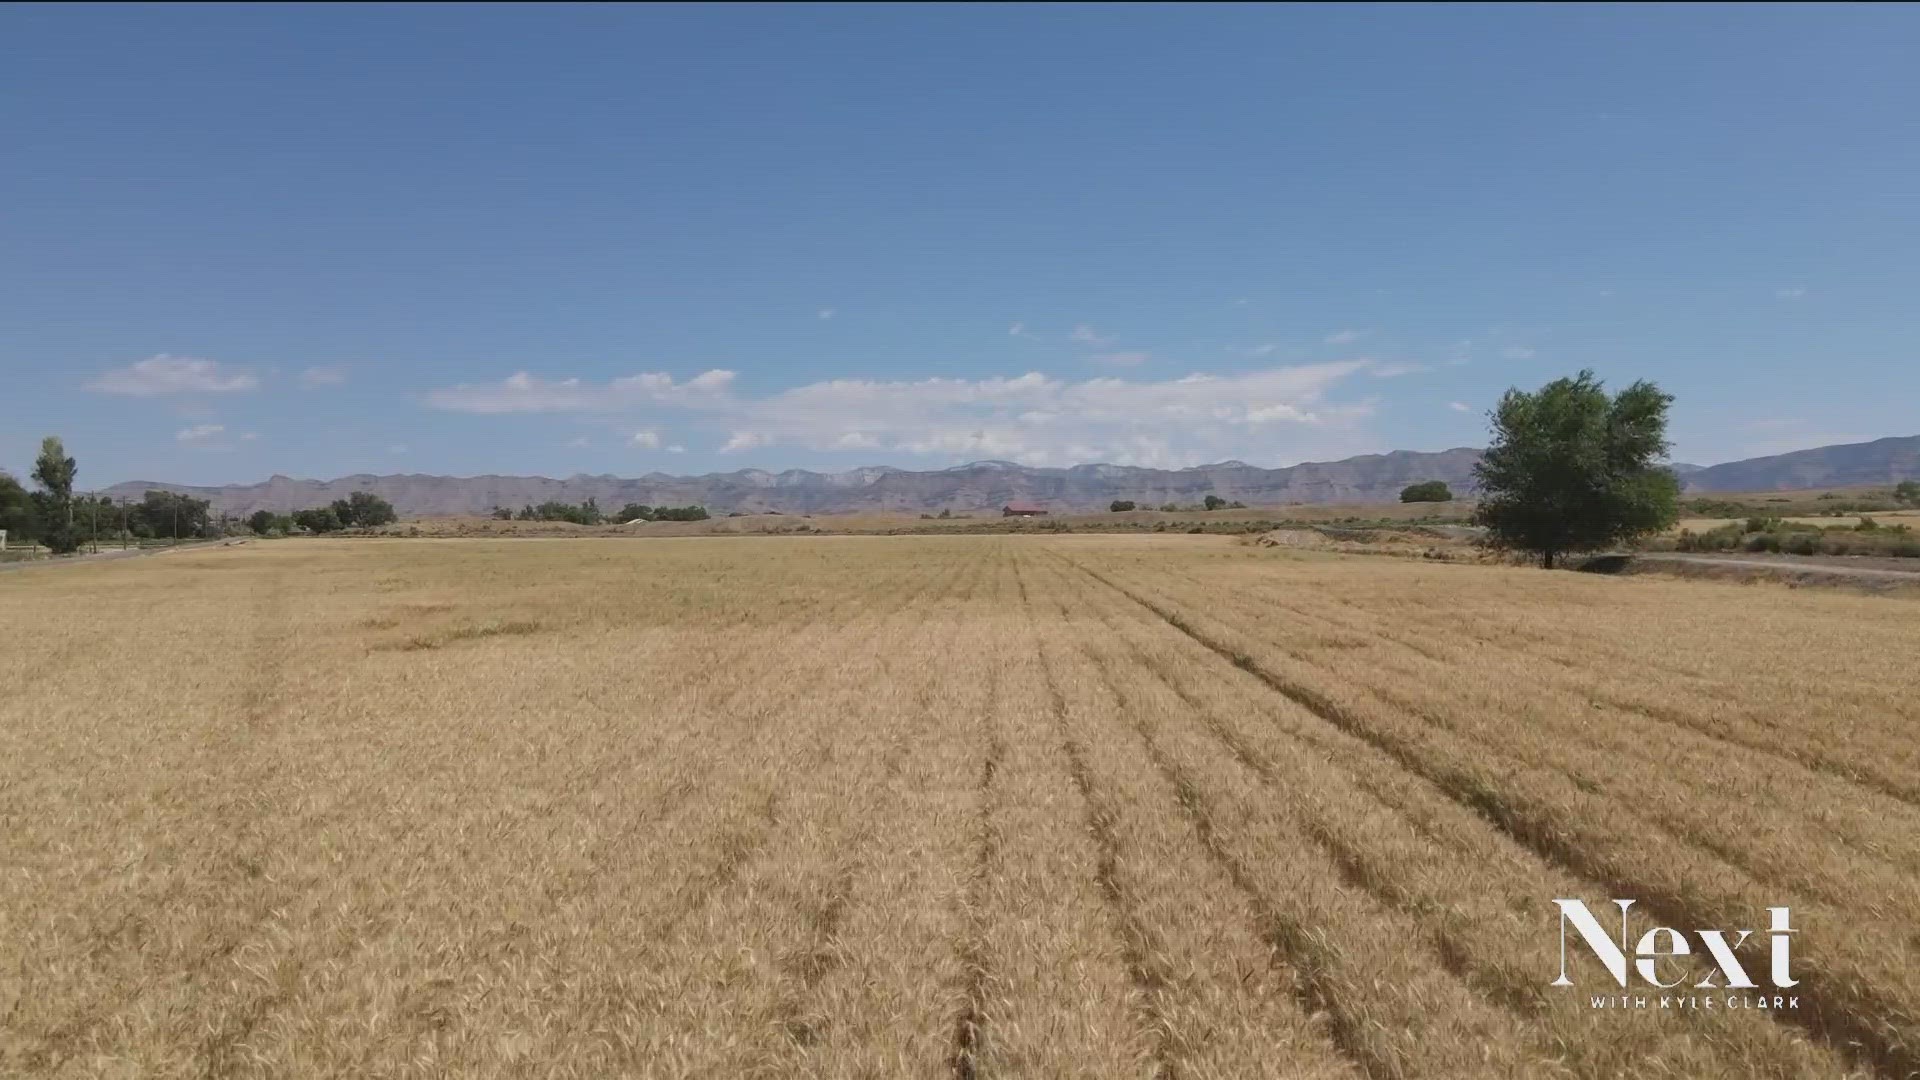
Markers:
point(93, 534)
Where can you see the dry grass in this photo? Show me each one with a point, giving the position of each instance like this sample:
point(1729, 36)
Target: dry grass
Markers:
point(969, 806)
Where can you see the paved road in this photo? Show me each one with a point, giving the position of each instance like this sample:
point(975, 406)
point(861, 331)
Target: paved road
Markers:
point(107, 556)
point(1780, 566)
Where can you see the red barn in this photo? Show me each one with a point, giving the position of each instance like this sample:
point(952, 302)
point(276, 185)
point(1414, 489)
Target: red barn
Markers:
point(1023, 509)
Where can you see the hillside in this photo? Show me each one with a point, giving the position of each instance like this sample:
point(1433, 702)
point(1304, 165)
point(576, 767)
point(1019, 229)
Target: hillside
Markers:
point(1371, 478)
point(988, 484)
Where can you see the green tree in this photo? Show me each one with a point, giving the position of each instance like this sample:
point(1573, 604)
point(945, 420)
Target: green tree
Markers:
point(261, 522)
point(1907, 491)
point(19, 517)
point(1571, 469)
point(1120, 505)
point(171, 514)
point(636, 512)
point(1215, 502)
point(369, 510)
point(319, 519)
point(1431, 491)
point(54, 472)
point(1168, 508)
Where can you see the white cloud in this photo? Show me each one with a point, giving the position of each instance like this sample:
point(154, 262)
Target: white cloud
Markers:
point(1459, 406)
point(160, 375)
point(1517, 352)
point(1087, 335)
point(676, 448)
point(1789, 294)
point(1123, 359)
point(577, 443)
point(249, 436)
point(825, 313)
point(522, 392)
point(1019, 330)
point(200, 433)
point(1345, 337)
point(1263, 350)
point(648, 439)
point(1275, 414)
point(331, 375)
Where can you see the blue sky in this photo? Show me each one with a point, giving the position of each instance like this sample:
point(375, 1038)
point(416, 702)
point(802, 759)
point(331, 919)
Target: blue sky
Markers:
point(321, 241)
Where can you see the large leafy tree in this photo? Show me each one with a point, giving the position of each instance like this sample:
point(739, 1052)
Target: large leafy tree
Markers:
point(54, 472)
point(363, 510)
point(17, 516)
point(1571, 469)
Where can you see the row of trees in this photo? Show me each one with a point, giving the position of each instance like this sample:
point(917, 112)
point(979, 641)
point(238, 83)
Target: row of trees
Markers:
point(53, 515)
point(1212, 502)
point(589, 513)
point(360, 510)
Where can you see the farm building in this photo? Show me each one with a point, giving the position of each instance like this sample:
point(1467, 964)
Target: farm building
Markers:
point(1023, 509)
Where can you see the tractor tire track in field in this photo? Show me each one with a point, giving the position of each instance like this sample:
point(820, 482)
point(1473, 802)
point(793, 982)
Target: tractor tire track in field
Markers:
point(1293, 944)
point(1806, 757)
point(1137, 949)
point(1355, 869)
point(969, 1025)
point(1853, 1019)
point(972, 948)
point(1680, 826)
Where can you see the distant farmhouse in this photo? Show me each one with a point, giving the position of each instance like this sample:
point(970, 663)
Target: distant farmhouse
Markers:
point(1023, 509)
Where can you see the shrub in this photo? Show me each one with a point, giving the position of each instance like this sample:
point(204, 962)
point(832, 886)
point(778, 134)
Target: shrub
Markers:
point(1801, 544)
point(1120, 505)
point(1430, 491)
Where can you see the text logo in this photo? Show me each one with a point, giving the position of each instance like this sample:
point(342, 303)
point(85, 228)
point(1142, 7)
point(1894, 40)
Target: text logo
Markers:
point(1661, 942)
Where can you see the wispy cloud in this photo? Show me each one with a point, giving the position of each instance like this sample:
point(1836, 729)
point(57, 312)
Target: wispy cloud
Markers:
point(1087, 335)
point(1396, 369)
point(676, 448)
point(523, 393)
point(1459, 406)
point(825, 313)
point(648, 439)
point(577, 443)
point(1122, 359)
point(398, 448)
point(328, 375)
point(200, 433)
point(1281, 413)
point(1345, 337)
point(1518, 352)
point(1020, 330)
point(1789, 294)
point(161, 375)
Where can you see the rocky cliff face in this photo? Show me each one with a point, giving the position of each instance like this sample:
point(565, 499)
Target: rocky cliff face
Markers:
point(988, 484)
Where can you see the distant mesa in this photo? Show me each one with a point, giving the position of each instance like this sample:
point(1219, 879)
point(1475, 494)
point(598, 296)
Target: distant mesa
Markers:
point(991, 485)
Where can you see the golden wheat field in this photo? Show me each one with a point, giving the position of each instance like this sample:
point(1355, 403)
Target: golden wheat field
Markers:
point(958, 807)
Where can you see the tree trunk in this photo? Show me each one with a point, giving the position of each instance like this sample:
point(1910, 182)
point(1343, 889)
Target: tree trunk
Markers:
point(1546, 560)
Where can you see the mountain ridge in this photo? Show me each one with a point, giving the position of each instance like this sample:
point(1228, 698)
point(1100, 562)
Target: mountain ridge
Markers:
point(987, 484)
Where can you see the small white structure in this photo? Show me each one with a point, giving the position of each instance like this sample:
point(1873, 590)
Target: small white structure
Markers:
point(3, 539)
